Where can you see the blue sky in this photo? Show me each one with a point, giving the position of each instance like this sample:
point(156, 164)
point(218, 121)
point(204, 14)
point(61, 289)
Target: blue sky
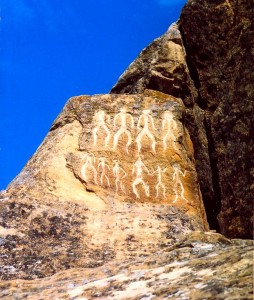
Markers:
point(53, 50)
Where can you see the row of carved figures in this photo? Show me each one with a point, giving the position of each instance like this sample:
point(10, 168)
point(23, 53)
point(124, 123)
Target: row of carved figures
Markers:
point(145, 126)
point(92, 166)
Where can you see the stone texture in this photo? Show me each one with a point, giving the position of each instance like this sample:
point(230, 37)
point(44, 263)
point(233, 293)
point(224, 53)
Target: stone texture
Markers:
point(207, 59)
point(218, 39)
point(115, 178)
point(162, 66)
point(200, 266)
point(109, 206)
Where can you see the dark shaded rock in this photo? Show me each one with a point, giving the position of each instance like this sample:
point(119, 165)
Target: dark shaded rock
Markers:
point(218, 38)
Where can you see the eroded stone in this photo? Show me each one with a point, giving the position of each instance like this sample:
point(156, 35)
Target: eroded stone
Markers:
point(114, 179)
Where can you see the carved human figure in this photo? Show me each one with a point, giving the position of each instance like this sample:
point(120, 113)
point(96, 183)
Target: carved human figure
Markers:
point(143, 127)
point(119, 175)
point(178, 183)
point(124, 117)
point(169, 125)
point(102, 167)
point(159, 184)
point(138, 168)
point(100, 118)
point(89, 167)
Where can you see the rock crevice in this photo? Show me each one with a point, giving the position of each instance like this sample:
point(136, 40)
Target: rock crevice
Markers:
point(212, 202)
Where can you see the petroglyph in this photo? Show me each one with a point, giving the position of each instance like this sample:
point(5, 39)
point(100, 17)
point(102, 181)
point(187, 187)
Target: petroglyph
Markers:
point(100, 118)
point(170, 125)
point(143, 126)
point(123, 116)
point(178, 183)
point(159, 184)
point(89, 167)
point(138, 168)
point(131, 170)
point(102, 166)
point(119, 175)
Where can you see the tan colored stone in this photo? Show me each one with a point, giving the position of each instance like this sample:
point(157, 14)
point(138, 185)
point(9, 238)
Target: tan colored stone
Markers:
point(199, 266)
point(119, 148)
point(115, 175)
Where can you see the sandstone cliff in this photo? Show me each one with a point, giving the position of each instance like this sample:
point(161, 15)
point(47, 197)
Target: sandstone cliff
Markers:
point(114, 203)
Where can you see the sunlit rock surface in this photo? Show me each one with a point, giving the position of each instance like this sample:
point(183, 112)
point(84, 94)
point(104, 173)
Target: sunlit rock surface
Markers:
point(200, 266)
point(114, 179)
point(207, 59)
point(109, 207)
point(162, 66)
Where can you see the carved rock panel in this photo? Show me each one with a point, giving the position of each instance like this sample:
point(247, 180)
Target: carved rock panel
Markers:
point(136, 149)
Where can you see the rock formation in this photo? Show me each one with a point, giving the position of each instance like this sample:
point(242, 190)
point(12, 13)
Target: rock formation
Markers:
point(218, 38)
point(115, 178)
point(113, 204)
point(200, 266)
point(207, 59)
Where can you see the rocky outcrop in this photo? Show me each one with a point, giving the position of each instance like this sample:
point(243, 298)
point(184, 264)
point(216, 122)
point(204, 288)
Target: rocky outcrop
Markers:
point(200, 266)
point(162, 66)
point(114, 179)
point(207, 60)
point(109, 207)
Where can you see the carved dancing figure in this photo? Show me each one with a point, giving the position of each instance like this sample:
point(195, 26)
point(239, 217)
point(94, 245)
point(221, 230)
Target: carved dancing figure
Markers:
point(88, 167)
point(138, 168)
point(101, 124)
point(123, 116)
point(178, 182)
point(159, 185)
point(119, 175)
point(103, 165)
point(144, 130)
point(169, 124)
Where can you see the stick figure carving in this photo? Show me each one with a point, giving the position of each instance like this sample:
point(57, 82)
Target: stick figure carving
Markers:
point(178, 182)
point(100, 117)
point(103, 165)
point(123, 116)
point(138, 168)
point(144, 120)
point(159, 185)
point(119, 175)
point(169, 124)
point(89, 167)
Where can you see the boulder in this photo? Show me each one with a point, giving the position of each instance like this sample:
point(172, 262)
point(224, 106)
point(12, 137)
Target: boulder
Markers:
point(114, 179)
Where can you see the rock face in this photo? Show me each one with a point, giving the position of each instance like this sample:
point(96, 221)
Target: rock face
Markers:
point(114, 179)
point(218, 38)
point(162, 66)
point(207, 60)
point(111, 206)
point(200, 266)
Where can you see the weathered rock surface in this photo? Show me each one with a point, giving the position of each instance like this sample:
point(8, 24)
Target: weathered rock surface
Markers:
point(200, 266)
point(109, 207)
point(207, 59)
point(219, 43)
point(114, 179)
point(162, 66)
